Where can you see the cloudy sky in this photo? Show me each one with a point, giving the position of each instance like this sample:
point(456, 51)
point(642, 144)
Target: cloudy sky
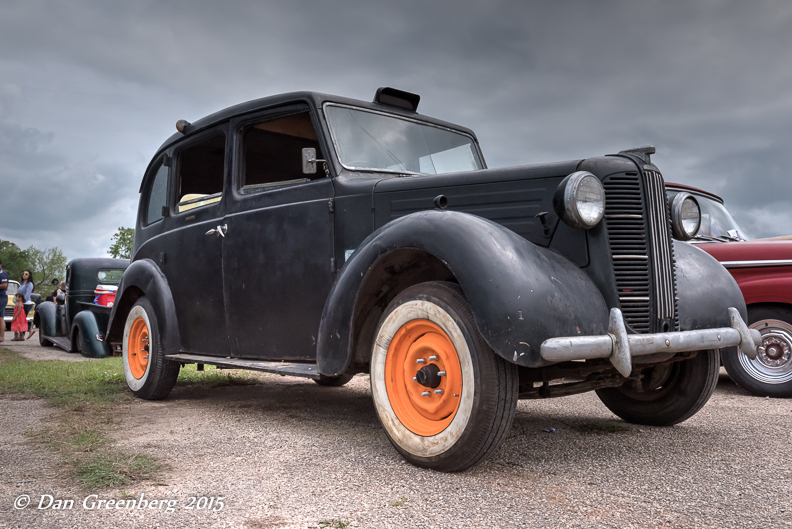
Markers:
point(90, 89)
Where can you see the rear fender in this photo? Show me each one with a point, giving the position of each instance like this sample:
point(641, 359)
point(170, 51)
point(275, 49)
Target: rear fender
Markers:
point(520, 293)
point(144, 278)
point(88, 326)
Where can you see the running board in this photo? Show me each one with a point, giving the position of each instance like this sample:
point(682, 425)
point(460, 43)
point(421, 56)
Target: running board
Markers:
point(279, 368)
point(61, 341)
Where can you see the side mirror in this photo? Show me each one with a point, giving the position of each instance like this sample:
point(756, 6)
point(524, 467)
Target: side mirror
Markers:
point(309, 160)
point(61, 299)
point(55, 282)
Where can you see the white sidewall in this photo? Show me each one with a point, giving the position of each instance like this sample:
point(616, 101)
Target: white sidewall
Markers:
point(418, 445)
point(134, 383)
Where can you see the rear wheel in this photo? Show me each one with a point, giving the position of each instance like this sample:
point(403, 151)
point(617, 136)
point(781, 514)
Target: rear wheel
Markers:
point(445, 400)
point(148, 373)
point(338, 381)
point(770, 373)
point(668, 393)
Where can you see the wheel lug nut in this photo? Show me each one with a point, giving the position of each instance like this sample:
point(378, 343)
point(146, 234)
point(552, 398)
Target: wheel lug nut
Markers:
point(438, 391)
point(433, 357)
point(420, 361)
point(415, 379)
point(426, 394)
point(441, 373)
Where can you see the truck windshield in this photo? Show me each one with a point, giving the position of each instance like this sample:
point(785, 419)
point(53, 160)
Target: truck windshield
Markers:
point(373, 141)
point(716, 221)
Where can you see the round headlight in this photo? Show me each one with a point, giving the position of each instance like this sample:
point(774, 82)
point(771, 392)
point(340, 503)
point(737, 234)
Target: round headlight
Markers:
point(685, 216)
point(580, 200)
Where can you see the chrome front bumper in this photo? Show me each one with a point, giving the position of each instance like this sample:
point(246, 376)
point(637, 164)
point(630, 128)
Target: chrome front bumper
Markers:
point(620, 347)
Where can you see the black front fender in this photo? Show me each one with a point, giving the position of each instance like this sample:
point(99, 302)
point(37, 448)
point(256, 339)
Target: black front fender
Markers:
point(45, 318)
point(144, 278)
point(705, 289)
point(520, 293)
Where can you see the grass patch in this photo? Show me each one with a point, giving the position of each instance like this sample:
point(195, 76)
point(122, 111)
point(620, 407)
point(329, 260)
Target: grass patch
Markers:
point(603, 427)
point(115, 470)
point(333, 523)
point(398, 503)
point(84, 394)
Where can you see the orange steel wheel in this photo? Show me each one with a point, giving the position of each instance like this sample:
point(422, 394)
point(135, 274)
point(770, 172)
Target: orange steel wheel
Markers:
point(424, 409)
point(138, 347)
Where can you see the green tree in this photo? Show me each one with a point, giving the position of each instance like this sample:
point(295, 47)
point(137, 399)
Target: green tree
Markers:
point(47, 265)
point(122, 243)
point(15, 260)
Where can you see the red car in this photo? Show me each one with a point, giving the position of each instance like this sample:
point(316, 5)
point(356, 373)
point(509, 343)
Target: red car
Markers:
point(763, 269)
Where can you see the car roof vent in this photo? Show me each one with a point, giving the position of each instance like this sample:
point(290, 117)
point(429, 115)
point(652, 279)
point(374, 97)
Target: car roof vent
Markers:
point(397, 98)
point(641, 152)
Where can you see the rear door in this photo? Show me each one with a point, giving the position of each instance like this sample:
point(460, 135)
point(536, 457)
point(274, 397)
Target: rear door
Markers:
point(190, 249)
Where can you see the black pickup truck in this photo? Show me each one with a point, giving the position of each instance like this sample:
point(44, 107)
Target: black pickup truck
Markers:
point(318, 236)
point(74, 321)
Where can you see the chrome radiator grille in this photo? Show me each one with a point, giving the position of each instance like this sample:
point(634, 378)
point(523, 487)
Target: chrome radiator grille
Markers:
point(662, 248)
point(638, 225)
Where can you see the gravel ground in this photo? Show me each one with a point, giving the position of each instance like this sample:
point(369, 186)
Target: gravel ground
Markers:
point(288, 453)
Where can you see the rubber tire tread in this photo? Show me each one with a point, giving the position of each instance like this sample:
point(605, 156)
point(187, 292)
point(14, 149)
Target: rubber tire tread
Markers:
point(333, 382)
point(494, 372)
point(163, 373)
point(680, 404)
point(732, 363)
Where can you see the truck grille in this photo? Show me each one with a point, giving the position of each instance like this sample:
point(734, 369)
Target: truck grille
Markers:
point(638, 224)
point(9, 312)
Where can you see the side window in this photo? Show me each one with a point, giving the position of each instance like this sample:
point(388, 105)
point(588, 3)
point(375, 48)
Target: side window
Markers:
point(272, 152)
point(200, 170)
point(158, 194)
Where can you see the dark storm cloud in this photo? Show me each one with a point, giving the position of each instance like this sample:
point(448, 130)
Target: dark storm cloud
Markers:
point(88, 90)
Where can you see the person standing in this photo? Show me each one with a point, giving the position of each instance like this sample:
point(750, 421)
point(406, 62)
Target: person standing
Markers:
point(4, 298)
point(19, 323)
point(26, 287)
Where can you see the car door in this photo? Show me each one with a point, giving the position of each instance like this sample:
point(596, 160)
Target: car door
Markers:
point(190, 249)
point(277, 253)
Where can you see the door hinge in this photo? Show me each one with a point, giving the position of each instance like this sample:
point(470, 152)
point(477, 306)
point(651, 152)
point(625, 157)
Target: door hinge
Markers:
point(331, 205)
point(332, 264)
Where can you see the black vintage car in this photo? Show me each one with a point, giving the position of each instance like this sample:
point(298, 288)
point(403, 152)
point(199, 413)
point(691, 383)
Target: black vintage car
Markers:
point(316, 236)
point(75, 322)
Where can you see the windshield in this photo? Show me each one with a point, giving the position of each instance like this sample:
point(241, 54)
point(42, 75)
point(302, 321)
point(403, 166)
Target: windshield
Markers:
point(716, 221)
point(368, 140)
point(110, 275)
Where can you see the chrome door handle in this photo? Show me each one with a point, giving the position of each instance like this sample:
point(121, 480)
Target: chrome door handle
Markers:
point(220, 230)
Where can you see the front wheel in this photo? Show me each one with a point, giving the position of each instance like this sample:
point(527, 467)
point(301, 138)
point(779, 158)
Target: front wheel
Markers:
point(667, 394)
point(445, 400)
point(770, 373)
point(148, 373)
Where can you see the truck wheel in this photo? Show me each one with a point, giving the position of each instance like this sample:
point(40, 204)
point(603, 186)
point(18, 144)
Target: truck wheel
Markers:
point(770, 373)
point(669, 394)
point(148, 373)
point(445, 399)
point(338, 381)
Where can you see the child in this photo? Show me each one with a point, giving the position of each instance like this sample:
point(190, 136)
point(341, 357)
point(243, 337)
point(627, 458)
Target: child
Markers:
point(19, 324)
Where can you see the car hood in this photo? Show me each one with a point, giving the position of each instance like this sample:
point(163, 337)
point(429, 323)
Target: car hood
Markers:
point(756, 250)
